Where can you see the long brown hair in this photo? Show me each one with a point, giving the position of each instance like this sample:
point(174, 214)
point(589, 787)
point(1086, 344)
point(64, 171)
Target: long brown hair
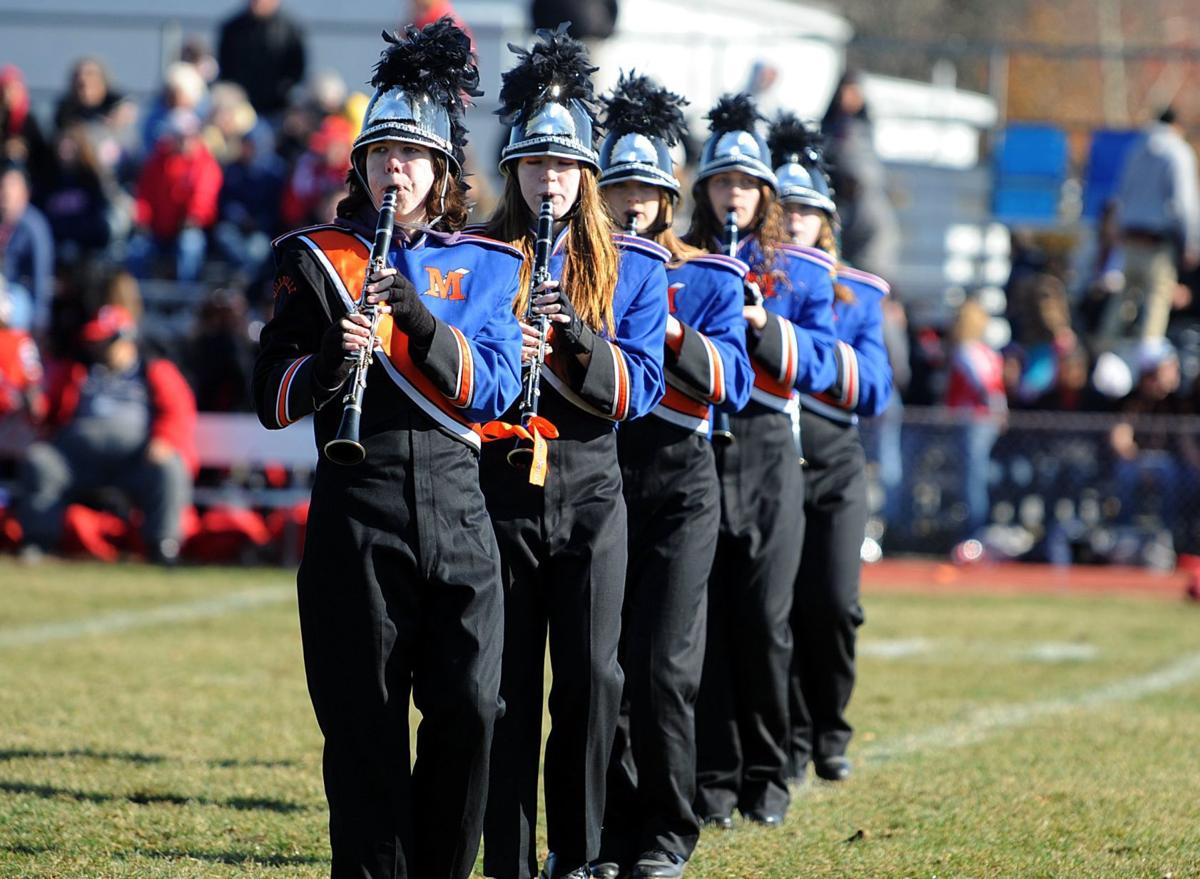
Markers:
point(827, 241)
point(453, 209)
point(662, 231)
point(590, 266)
point(768, 225)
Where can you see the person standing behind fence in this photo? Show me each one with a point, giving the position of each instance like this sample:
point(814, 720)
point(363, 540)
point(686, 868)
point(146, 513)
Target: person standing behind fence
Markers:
point(399, 588)
point(826, 612)
point(976, 390)
point(1159, 214)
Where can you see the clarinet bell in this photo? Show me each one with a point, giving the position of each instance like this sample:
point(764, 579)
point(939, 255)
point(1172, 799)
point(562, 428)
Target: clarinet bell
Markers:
point(723, 437)
point(520, 457)
point(345, 448)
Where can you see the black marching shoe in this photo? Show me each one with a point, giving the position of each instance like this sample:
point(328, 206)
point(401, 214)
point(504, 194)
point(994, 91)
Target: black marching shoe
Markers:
point(550, 870)
point(764, 819)
point(832, 768)
point(717, 822)
point(658, 864)
point(606, 870)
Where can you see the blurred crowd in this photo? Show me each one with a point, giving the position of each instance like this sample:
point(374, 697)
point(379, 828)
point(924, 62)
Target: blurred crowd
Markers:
point(105, 201)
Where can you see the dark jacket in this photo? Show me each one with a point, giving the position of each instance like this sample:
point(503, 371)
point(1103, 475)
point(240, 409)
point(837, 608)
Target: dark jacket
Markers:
point(589, 18)
point(265, 56)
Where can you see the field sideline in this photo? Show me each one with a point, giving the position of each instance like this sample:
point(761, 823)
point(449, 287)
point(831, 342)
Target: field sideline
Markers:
point(158, 725)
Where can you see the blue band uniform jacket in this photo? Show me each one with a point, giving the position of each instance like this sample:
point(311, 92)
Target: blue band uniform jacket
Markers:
point(471, 372)
point(863, 385)
point(711, 366)
point(795, 350)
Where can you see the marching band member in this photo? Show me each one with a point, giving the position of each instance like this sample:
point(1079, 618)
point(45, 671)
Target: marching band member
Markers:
point(742, 710)
point(671, 491)
point(562, 543)
point(825, 611)
point(399, 588)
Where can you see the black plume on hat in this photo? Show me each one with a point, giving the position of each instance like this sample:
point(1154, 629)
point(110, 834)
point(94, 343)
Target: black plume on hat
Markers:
point(641, 106)
point(436, 60)
point(733, 113)
point(555, 69)
point(789, 136)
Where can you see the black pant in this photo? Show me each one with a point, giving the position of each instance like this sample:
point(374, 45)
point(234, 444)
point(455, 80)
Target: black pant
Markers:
point(562, 550)
point(742, 713)
point(400, 589)
point(826, 613)
point(671, 491)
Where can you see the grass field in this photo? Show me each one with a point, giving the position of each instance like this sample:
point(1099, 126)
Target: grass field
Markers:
point(157, 725)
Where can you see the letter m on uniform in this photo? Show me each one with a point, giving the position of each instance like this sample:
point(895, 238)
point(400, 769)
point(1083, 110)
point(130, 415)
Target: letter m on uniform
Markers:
point(448, 286)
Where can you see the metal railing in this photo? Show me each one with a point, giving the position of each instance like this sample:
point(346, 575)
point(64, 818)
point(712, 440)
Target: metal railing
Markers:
point(1055, 489)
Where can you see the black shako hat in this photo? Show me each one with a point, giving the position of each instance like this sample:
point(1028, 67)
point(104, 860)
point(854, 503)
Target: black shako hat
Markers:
point(643, 121)
point(548, 100)
point(422, 84)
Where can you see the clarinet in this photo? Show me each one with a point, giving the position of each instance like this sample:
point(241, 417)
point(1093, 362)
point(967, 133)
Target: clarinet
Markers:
point(722, 430)
point(531, 388)
point(631, 224)
point(345, 448)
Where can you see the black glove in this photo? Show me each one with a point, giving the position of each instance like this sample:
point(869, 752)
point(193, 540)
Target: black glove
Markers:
point(576, 336)
point(331, 366)
point(409, 312)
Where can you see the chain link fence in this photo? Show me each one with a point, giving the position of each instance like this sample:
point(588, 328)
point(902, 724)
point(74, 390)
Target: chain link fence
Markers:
point(1037, 486)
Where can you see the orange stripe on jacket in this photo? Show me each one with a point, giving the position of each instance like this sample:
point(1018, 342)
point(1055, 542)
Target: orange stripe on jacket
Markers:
point(764, 381)
point(285, 386)
point(621, 411)
point(466, 380)
point(678, 401)
point(394, 343)
point(716, 393)
point(347, 255)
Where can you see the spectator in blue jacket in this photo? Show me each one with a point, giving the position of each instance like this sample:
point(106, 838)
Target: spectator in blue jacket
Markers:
point(26, 251)
point(248, 211)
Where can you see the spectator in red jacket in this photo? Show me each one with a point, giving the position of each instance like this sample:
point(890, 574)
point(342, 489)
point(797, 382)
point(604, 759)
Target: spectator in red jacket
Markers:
point(423, 12)
point(319, 173)
point(176, 200)
point(119, 422)
point(976, 387)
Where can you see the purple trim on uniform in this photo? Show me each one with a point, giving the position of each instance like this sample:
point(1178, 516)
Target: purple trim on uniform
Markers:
point(649, 248)
point(865, 278)
point(812, 254)
point(722, 261)
point(489, 243)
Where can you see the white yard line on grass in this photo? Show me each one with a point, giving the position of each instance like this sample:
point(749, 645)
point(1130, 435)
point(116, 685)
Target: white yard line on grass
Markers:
point(183, 612)
point(984, 722)
point(953, 650)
